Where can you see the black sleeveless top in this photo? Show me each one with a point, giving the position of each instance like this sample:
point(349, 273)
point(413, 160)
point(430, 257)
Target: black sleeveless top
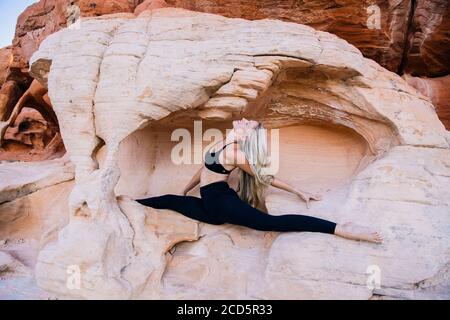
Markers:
point(212, 161)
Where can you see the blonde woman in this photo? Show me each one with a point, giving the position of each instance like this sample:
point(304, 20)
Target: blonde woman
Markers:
point(221, 204)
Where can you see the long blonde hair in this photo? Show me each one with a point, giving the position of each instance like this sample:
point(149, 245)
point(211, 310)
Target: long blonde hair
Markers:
point(252, 188)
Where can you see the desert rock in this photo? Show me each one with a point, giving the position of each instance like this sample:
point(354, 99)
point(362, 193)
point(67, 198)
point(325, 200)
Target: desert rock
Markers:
point(373, 144)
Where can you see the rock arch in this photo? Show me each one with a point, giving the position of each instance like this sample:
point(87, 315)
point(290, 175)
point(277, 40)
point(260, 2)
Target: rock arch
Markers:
point(118, 74)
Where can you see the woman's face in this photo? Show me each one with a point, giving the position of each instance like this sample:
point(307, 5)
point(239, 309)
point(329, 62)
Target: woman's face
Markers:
point(242, 127)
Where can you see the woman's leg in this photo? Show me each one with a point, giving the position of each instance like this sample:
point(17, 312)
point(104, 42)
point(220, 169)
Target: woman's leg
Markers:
point(235, 211)
point(189, 206)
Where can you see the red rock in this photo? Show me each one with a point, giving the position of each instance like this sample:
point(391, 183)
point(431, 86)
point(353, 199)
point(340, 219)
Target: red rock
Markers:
point(46, 17)
point(91, 8)
point(428, 53)
point(347, 19)
point(150, 5)
point(34, 24)
point(5, 60)
point(436, 89)
point(31, 132)
point(38, 21)
point(10, 93)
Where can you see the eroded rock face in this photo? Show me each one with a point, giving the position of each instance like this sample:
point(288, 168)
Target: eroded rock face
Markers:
point(37, 22)
point(411, 36)
point(424, 24)
point(428, 48)
point(436, 89)
point(150, 5)
point(33, 206)
point(364, 137)
point(5, 60)
point(46, 17)
point(350, 20)
point(347, 19)
point(30, 130)
point(16, 279)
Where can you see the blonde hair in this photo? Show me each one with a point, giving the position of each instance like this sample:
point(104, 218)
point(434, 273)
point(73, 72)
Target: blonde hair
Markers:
point(252, 188)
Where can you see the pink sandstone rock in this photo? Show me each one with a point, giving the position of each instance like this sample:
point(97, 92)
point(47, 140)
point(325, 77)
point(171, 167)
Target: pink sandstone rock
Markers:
point(436, 89)
point(350, 129)
point(37, 22)
point(410, 38)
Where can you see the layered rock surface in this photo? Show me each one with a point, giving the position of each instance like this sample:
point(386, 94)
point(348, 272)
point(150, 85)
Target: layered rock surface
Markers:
point(37, 22)
point(428, 46)
point(401, 35)
point(360, 134)
point(5, 60)
point(380, 29)
point(435, 89)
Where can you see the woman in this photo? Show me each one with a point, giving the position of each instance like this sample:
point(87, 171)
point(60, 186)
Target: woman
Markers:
point(220, 204)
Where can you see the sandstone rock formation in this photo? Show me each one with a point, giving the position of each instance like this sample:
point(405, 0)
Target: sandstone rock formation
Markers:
point(349, 128)
point(5, 60)
point(436, 89)
point(412, 37)
point(400, 35)
point(16, 279)
point(37, 22)
point(424, 24)
point(150, 5)
point(428, 51)
point(46, 17)
point(33, 199)
point(31, 124)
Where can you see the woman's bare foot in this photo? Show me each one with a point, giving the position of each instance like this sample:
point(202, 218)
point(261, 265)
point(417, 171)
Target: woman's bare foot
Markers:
point(353, 231)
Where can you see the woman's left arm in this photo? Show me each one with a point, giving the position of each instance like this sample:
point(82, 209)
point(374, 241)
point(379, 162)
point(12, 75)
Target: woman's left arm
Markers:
point(306, 196)
point(277, 183)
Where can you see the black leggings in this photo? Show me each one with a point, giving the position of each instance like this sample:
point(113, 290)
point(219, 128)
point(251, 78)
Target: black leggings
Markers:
point(220, 204)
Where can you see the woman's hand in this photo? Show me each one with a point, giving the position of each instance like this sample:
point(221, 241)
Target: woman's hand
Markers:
point(306, 196)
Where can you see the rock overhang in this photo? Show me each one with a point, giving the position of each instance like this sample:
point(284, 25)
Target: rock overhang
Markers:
point(116, 75)
point(143, 69)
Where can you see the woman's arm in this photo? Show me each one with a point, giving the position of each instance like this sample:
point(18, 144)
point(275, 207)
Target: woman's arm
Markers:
point(194, 181)
point(277, 183)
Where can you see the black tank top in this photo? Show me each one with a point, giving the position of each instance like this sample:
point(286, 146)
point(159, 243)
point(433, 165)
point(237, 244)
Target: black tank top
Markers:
point(212, 161)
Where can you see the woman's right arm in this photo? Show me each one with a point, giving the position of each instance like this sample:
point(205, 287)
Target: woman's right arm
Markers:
point(194, 181)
